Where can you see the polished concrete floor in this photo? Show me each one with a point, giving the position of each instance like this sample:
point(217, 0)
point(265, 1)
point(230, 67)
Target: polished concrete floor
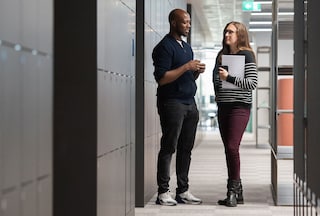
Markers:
point(208, 182)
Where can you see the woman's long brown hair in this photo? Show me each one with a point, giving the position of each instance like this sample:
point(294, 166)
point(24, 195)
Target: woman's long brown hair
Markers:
point(243, 42)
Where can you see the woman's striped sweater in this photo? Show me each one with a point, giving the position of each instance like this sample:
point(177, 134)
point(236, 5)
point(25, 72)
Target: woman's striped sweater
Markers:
point(237, 96)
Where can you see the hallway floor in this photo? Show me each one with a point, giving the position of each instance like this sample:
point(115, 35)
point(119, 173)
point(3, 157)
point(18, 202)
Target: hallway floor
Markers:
point(208, 182)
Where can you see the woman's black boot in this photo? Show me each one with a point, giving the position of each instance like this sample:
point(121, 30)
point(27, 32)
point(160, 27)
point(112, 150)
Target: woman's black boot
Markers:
point(233, 195)
point(239, 192)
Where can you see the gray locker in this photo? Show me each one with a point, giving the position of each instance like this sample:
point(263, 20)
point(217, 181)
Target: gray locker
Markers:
point(132, 111)
point(44, 195)
point(101, 33)
point(111, 112)
point(111, 184)
point(115, 109)
point(119, 181)
point(45, 101)
point(29, 118)
point(11, 118)
point(102, 192)
point(127, 107)
point(10, 21)
point(1, 116)
point(102, 112)
point(121, 160)
point(132, 142)
point(10, 203)
point(28, 15)
point(130, 181)
point(127, 180)
point(28, 199)
point(121, 111)
point(45, 26)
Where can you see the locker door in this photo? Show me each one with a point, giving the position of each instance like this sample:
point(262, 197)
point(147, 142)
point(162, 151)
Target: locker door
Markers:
point(44, 194)
point(10, 203)
point(44, 148)
point(11, 126)
point(28, 200)
point(29, 118)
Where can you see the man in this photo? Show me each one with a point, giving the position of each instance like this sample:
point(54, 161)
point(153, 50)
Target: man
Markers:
point(176, 72)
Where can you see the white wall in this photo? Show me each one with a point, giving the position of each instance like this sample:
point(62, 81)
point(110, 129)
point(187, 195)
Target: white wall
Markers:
point(285, 47)
point(285, 52)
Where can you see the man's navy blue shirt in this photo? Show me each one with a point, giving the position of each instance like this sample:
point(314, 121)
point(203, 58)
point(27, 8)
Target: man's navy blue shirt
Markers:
point(169, 55)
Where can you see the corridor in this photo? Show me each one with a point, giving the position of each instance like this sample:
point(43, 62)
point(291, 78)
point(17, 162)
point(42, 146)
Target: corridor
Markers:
point(208, 182)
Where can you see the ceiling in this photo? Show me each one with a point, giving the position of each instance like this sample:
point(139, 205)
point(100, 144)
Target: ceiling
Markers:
point(213, 15)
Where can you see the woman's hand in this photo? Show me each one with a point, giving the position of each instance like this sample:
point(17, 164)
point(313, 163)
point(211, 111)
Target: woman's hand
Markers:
point(223, 73)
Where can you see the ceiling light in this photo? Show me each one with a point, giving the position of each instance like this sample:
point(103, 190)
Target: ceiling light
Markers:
point(261, 14)
point(264, 2)
point(286, 13)
point(260, 30)
point(270, 13)
point(260, 22)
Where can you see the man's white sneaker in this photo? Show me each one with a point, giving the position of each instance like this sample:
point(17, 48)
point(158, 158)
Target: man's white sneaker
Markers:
point(187, 198)
point(166, 199)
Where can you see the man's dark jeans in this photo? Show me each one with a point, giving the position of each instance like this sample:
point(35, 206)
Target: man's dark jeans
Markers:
point(179, 124)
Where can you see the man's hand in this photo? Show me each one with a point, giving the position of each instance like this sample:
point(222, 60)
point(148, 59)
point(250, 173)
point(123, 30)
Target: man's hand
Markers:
point(196, 65)
point(199, 68)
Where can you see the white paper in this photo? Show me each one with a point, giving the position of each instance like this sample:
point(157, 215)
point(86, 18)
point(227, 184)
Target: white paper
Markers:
point(235, 65)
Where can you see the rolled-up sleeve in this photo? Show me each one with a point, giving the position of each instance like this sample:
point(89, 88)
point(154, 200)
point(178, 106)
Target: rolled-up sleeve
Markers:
point(162, 61)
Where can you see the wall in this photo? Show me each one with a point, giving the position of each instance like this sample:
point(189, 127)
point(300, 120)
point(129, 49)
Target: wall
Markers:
point(285, 47)
point(116, 99)
point(260, 39)
point(285, 50)
point(29, 125)
point(306, 119)
point(26, 107)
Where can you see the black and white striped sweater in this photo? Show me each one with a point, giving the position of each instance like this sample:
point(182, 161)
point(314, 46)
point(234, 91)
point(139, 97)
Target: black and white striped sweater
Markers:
point(238, 96)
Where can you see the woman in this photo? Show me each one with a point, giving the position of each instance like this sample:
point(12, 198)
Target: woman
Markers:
point(234, 104)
